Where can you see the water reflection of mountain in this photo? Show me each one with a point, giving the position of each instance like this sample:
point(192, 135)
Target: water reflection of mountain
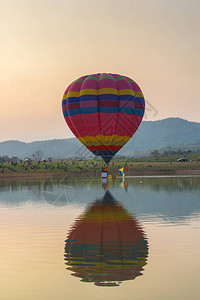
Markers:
point(173, 199)
point(106, 245)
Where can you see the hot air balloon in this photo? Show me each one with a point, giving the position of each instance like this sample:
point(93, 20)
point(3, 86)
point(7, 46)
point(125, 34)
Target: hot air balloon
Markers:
point(106, 245)
point(103, 111)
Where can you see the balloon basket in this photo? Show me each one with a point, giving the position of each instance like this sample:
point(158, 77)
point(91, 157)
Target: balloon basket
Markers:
point(104, 174)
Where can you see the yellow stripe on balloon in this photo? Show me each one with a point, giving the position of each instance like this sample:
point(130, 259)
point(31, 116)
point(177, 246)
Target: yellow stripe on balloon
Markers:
point(71, 94)
point(130, 92)
point(64, 97)
point(88, 92)
point(139, 94)
point(101, 92)
point(108, 91)
point(100, 139)
point(98, 92)
point(126, 92)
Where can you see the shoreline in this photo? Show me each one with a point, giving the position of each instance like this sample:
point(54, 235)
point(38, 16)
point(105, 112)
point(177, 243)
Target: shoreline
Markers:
point(137, 172)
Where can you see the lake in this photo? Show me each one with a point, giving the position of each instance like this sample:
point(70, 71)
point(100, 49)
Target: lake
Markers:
point(84, 239)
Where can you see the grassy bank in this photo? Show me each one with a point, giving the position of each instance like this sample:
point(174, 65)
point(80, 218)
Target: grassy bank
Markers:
point(92, 168)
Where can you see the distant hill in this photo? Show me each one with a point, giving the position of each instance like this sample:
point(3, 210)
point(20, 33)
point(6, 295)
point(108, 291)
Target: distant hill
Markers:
point(163, 134)
point(58, 148)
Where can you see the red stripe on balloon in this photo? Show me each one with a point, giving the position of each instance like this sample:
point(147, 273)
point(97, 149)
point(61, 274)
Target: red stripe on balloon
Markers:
point(107, 148)
point(110, 103)
point(103, 103)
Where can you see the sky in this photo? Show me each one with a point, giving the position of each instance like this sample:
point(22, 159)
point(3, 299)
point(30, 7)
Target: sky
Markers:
point(47, 44)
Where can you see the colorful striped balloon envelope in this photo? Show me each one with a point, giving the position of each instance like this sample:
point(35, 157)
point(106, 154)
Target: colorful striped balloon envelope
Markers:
point(103, 111)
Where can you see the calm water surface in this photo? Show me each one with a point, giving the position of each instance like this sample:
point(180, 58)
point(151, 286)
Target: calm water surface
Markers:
point(71, 239)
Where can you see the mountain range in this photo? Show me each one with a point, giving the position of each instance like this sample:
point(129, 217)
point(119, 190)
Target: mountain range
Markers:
point(164, 134)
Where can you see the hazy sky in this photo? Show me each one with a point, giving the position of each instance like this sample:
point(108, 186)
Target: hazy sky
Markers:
point(46, 44)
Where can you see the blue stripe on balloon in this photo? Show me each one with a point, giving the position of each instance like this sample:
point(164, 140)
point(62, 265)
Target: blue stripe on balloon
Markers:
point(108, 97)
point(88, 97)
point(131, 98)
point(125, 110)
point(103, 109)
point(108, 109)
point(65, 113)
point(87, 110)
point(82, 98)
point(64, 102)
point(104, 97)
point(130, 110)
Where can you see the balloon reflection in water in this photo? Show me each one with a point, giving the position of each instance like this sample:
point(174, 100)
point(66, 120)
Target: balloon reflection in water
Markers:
point(106, 245)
